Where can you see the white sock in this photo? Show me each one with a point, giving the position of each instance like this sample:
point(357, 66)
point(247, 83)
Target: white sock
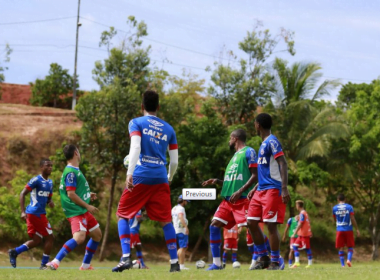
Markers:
point(253, 262)
point(173, 261)
point(310, 262)
point(297, 259)
point(181, 266)
point(56, 261)
point(85, 265)
point(217, 261)
point(126, 255)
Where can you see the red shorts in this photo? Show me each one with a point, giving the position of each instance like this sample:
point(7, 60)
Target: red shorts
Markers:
point(230, 244)
point(249, 237)
point(38, 224)
point(344, 238)
point(302, 242)
point(85, 222)
point(231, 214)
point(155, 198)
point(267, 206)
point(292, 241)
point(135, 240)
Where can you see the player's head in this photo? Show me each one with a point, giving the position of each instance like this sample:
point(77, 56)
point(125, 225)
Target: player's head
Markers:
point(181, 201)
point(71, 152)
point(341, 198)
point(263, 121)
point(150, 101)
point(238, 135)
point(46, 166)
point(299, 204)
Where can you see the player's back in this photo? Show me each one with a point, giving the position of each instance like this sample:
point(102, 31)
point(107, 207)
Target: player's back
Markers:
point(342, 212)
point(40, 191)
point(305, 229)
point(156, 137)
point(231, 233)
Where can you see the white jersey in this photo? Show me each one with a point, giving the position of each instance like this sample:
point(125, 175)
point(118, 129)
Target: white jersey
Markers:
point(179, 228)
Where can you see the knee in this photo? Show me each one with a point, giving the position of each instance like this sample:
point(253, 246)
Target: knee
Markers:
point(252, 223)
point(80, 237)
point(272, 228)
point(49, 238)
point(97, 236)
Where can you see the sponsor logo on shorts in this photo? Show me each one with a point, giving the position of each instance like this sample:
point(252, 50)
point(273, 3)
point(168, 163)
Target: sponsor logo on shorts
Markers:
point(270, 213)
point(84, 221)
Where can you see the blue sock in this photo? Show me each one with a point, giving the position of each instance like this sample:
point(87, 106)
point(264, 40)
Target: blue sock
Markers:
point(350, 253)
point(341, 257)
point(215, 241)
point(67, 248)
point(290, 261)
point(255, 254)
point(45, 259)
point(90, 251)
point(171, 242)
point(267, 245)
point(234, 257)
point(224, 257)
point(140, 257)
point(251, 249)
point(309, 255)
point(296, 253)
point(21, 249)
point(262, 250)
point(275, 256)
point(125, 237)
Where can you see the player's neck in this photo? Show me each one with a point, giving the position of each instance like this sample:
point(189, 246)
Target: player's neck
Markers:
point(73, 163)
point(150, 113)
point(265, 134)
point(46, 177)
point(239, 146)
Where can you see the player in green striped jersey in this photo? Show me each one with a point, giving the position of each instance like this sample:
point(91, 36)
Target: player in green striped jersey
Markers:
point(291, 226)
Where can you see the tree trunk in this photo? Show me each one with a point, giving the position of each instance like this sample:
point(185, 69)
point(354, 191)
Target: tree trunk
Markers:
point(55, 102)
point(199, 241)
point(110, 203)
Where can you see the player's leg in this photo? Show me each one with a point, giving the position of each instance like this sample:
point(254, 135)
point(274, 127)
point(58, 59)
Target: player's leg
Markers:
point(308, 251)
point(225, 255)
point(339, 244)
point(234, 255)
point(182, 243)
point(139, 255)
point(13, 253)
point(48, 245)
point(291, 252)
point(296, 245)
point(96, 235)
point(350, 241)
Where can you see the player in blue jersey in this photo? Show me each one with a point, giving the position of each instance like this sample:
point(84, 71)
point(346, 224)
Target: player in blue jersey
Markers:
point(345, 219)
point(134, 225)
point(40, 189)
point(147, 184)
point(269, 199)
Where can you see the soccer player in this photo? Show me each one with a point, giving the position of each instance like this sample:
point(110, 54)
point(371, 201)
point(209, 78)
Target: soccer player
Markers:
point(134, 225)
point(253, 248)
point(181, 229)
point(240, 175)
point(41, 191)
point(75, 198)
point(147, 184)
point(345, 219)
point(291, 226)
point(231, 239)
point(268, 201)
point(303, 230)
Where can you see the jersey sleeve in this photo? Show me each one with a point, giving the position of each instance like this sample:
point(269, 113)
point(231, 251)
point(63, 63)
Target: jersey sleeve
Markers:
point(134, 128)
point(51, 190)
point(302, 218)
point(32, 184)
point(351, 210)
point(173, 145)
point(71, 181)
point(275, 148)
point(251, 157)
point(289, 221)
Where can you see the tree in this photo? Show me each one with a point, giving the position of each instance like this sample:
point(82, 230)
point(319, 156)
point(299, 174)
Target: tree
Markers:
point(239, 90)
point(347, 94)
point(7, 52)
point(54, 88)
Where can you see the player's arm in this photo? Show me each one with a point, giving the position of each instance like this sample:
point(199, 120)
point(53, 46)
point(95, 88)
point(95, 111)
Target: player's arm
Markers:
point(353, 221)
point(78, 201)
point(284, 178)
point(299, 225)
point(246, 186)
point(173, 155)
point(50, 201)
point(23, 193)
point(183, 222)
point(213, 181)
point(134, 154)
point(285, 232)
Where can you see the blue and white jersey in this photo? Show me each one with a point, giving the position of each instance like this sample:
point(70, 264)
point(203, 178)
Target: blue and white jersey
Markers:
point(40, 191)
point(157, 136)
point(134, 224)
point(268, 169)
point(342, 213)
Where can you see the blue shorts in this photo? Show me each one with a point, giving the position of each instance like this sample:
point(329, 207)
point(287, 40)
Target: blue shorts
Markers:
point(183, 240)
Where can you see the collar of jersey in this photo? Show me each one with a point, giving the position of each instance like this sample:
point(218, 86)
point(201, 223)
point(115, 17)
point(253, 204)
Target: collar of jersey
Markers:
point(43, 178)
point(77, 168)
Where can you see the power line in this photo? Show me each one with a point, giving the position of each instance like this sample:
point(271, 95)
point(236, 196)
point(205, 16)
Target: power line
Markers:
point(35, 21)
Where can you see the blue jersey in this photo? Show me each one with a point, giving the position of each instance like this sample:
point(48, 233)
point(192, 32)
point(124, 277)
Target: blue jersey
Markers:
point(40, 191)
point(268, 169)
point(157, 136)
point(134, 224)
point(342, 213)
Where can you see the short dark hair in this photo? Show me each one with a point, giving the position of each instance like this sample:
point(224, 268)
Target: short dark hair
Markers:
point(69, 151)
point(180, 200)
point(265, 120)
point(341, 197)
point(240, 134)
point(300, 203)
point(150, 101)
point(42, 161)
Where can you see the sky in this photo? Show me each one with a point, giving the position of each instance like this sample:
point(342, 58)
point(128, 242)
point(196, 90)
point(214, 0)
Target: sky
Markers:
point(343, 36)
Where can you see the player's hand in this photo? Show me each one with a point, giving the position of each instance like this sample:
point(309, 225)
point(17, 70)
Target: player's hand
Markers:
point(250, 194)
point(209, 182)
point(93, 196)
point(51, 204)
point(129, 182)
point(23, 216)
point(357, 233)
point(283, 239)
point(92, 209)
point(235, 196)
point(285, 195)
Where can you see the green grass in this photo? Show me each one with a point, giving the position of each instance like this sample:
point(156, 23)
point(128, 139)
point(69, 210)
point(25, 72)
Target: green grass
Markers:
point(69, 270)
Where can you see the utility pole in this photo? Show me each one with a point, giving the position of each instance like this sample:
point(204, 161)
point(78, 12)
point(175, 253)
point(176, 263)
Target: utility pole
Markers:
point(75, 63)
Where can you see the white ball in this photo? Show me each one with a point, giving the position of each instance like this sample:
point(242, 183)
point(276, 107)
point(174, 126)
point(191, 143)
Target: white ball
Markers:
point(136, 264)
point(200, 264)
point(236, 265)
point(126, 161)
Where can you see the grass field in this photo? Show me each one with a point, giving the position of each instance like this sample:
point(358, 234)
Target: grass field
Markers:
point(69, 270)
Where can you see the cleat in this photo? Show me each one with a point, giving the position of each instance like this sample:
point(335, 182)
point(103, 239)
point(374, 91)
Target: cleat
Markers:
point(295, 265)
point(144, 267)
point(12, 257)
point(262, 263)
point(308, 266)
point(52, 265)
point(224, 266)
point(214, 267)
point(282, 263)
point(185, 268)
point(88, 268)
point(44, 267)
point(124, 264)
point(274, 266)
point(349, 263)
point(174, 267)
